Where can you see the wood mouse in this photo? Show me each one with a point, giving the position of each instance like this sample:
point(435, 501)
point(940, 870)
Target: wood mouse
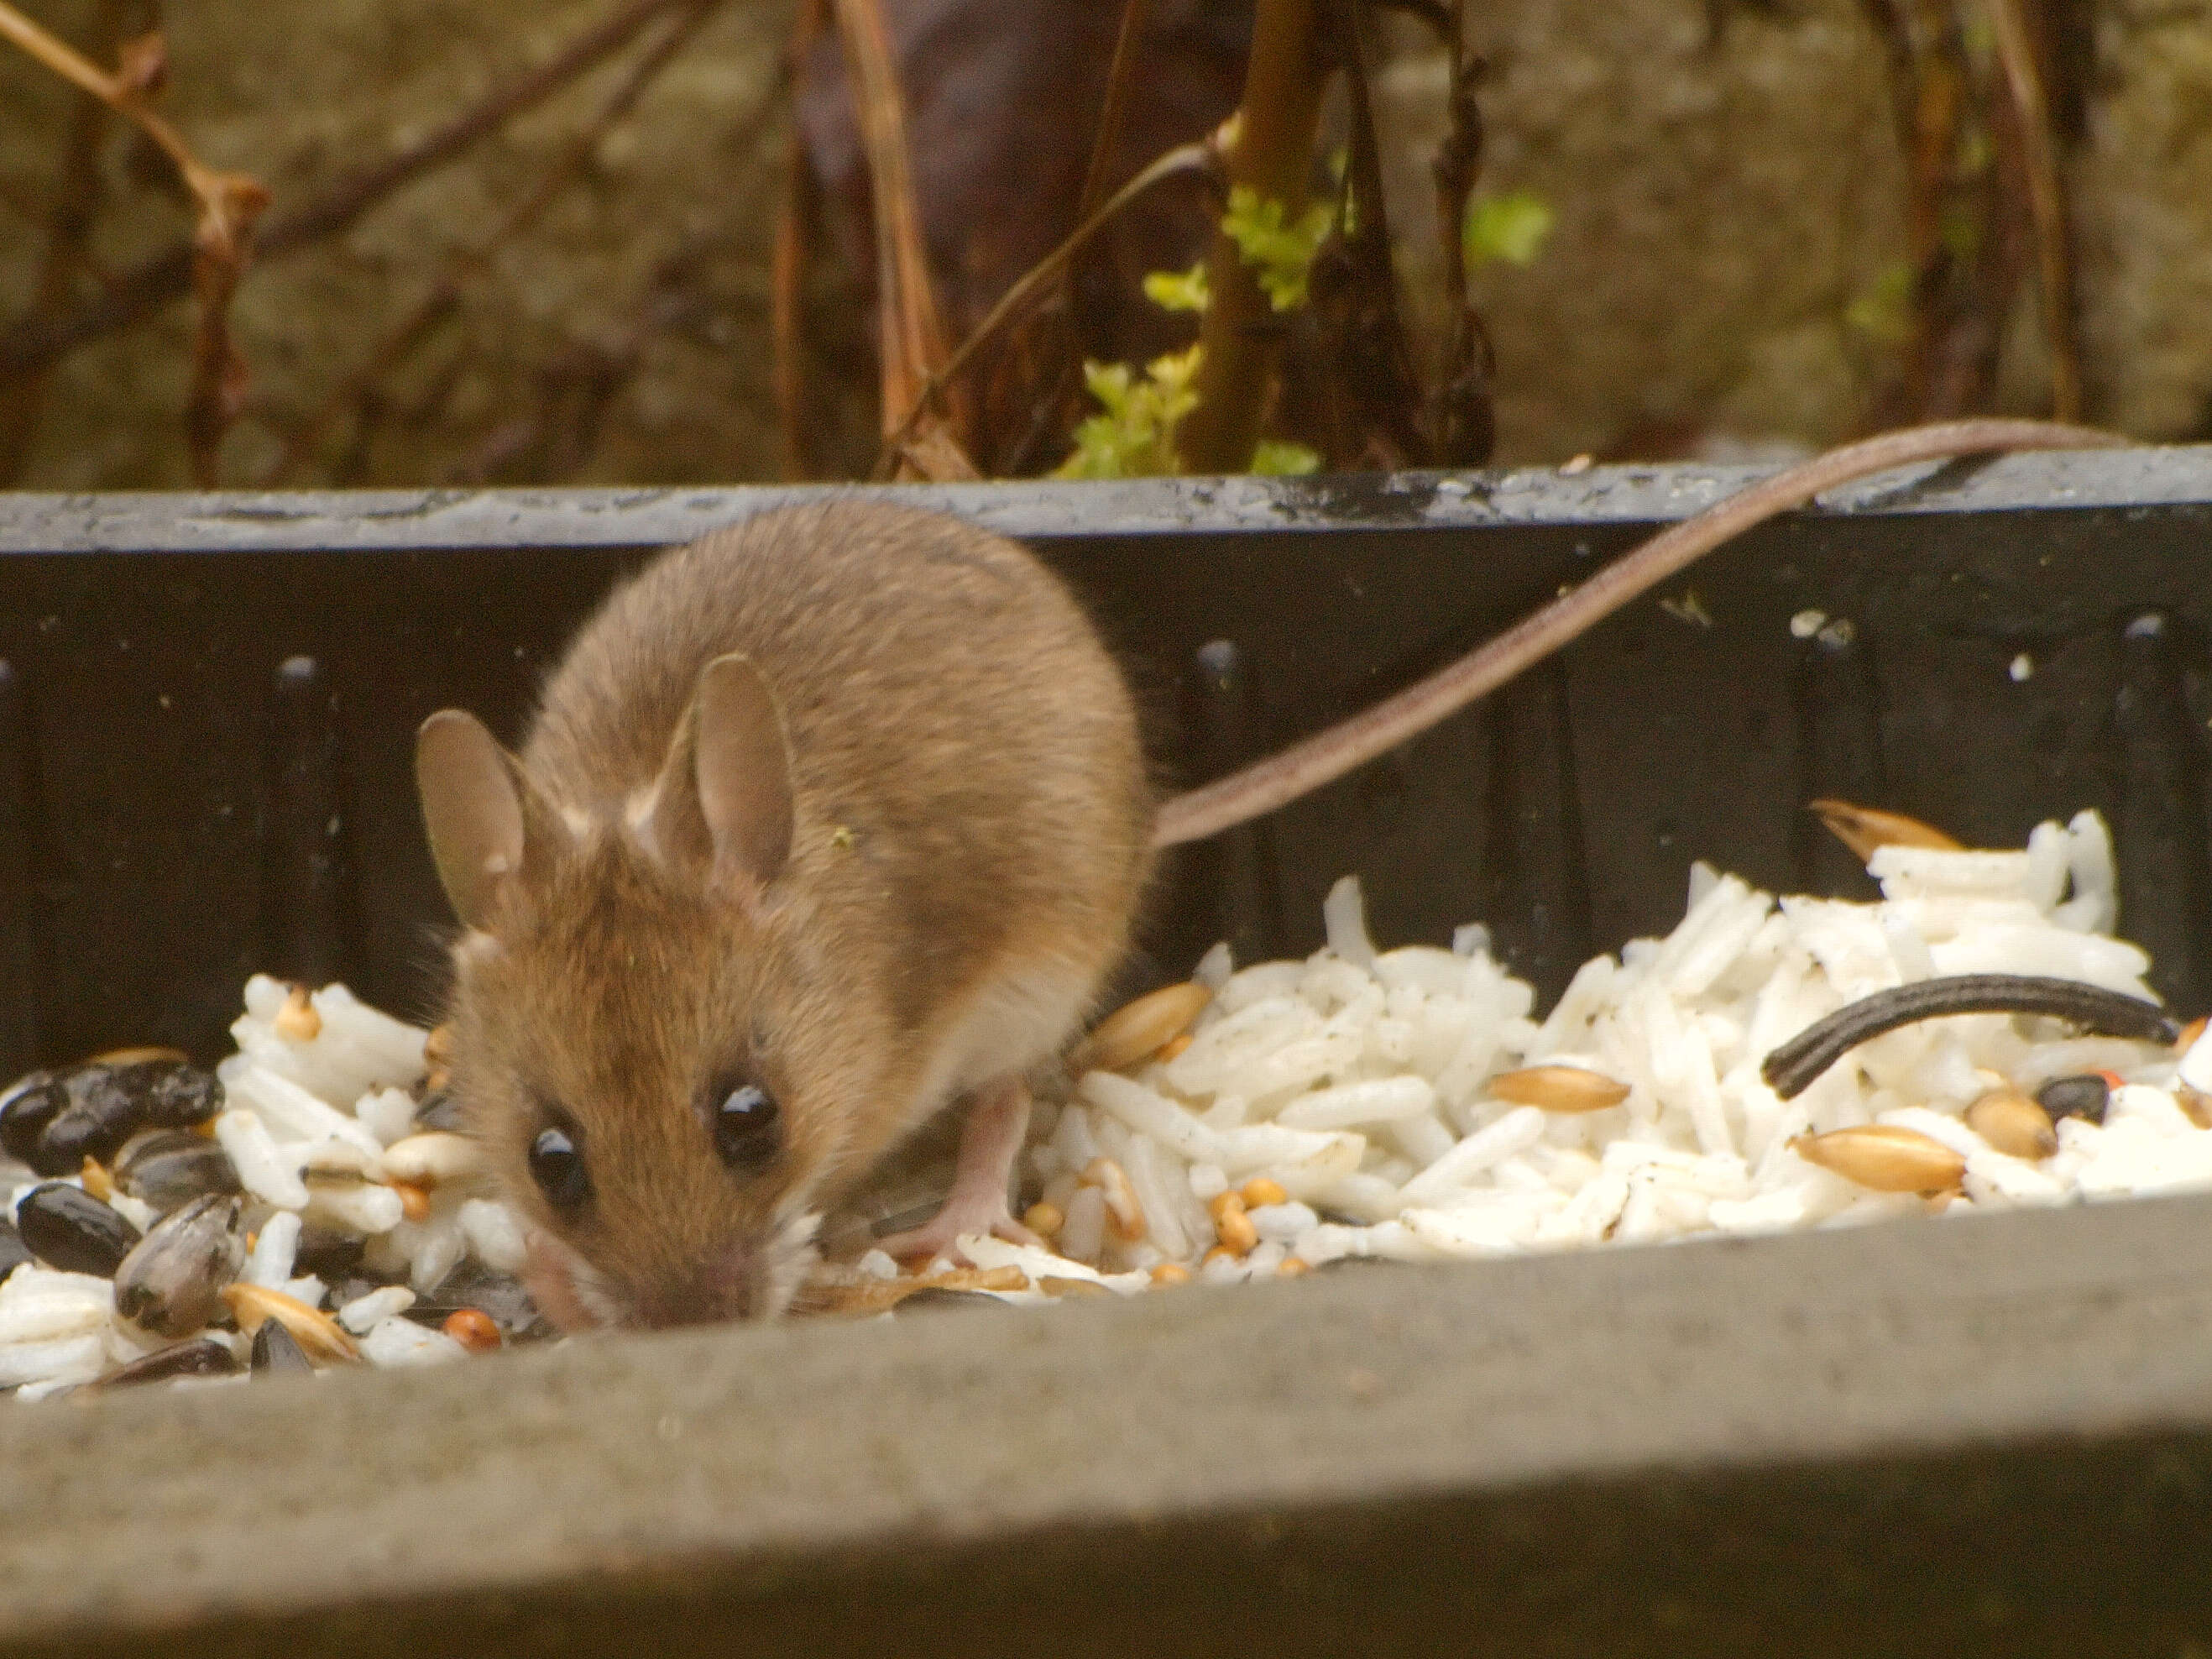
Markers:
point(826, 822)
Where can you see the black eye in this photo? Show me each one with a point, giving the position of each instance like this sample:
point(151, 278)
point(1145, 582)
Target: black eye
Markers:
point(558, 1169)
point(746, 1133)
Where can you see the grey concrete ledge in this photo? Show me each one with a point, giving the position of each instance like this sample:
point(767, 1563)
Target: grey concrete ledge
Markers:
point(1992, 1436)
point(333, 520)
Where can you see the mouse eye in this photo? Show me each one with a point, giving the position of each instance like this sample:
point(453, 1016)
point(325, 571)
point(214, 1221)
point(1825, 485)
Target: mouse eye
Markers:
point(746, 1133)
point(558, 1169)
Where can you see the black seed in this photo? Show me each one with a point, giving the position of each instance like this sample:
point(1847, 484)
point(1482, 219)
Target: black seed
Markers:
point(205, 1356)
point(1343, 1262)
point(277, 1351)
point(73, 1231)
point(176, 1096)
point(101, 1114)
point(329, 1256)
point(108, 1104)
point(31, 1104)
point(170, 1168)
point(942, 1295)
point(2085, 1096)
point(13, 1254)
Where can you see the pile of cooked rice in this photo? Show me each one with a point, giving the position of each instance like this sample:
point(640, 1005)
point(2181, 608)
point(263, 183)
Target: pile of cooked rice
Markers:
point(1404, 1105)
point(1355, 1104)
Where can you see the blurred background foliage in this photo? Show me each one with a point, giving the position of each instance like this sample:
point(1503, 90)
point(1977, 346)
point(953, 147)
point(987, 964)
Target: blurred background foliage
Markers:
point(611, 241)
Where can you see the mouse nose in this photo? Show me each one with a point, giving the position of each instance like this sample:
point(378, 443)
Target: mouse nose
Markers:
point(730, 1286)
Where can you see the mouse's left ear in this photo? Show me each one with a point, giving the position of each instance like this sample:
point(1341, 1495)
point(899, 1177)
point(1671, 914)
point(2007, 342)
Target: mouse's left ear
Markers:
point(488, 825)
point(724, 795)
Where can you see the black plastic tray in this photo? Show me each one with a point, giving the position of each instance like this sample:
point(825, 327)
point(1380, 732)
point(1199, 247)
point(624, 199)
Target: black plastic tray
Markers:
point(208, 703)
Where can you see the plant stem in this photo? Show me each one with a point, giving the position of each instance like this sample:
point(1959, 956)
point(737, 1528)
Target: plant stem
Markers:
point(910, 336)
point(2047, 202)
point(1273, 156)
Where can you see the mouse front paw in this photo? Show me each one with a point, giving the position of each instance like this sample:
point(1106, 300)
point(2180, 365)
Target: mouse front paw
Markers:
point(942, 1233)
point(997, 1119)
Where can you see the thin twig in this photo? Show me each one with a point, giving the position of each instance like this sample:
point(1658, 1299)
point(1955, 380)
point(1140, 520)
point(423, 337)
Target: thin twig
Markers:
point(1461, 424)
point(1113, 113)
point(2045, 200)
point(1040, 277)
point(1056, 329)
point(420, 323)
point(77, 189)
point(1273, 155)
point(1793, 1066)
point(1374, 396)
point(229, 204)
point(35, 342)
point(910, 333)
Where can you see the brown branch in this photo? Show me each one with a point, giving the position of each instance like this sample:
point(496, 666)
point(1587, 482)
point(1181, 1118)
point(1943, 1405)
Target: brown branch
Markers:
point(1272, 156)
point(76, 193)
point(35, 342)
point(1373, 396)
point(229, 204)
point(910, 333)
point(465, 265)
point(1113, 113)
point(1460, 421)
point(2045, 200)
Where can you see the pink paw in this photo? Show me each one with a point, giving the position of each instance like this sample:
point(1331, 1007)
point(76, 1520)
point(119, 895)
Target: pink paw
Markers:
point(940, 1235)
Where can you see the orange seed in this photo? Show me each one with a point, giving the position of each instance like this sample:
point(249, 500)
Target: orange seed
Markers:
point(472, 1328)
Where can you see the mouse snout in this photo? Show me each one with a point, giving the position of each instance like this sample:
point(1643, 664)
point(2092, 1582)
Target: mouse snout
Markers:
point(730, 1285)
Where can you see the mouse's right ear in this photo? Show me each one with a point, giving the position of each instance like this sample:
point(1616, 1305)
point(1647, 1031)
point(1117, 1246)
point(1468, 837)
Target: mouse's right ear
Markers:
point(487, 822)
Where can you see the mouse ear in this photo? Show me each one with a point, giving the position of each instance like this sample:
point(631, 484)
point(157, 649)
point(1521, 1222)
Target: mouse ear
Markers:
point(724, 796)
point(487, 822)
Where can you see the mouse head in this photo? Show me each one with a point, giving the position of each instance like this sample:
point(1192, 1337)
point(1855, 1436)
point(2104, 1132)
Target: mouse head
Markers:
point(634, 1002)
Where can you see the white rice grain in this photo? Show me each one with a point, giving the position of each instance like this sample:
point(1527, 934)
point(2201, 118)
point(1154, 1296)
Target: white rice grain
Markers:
point(263, 1169)
point(401, 1342)
point(270, 1263)
point(494, 1235)
point(365, 1313)
point(1352, 1105)
point(1519, 1129)
point(1344, 915)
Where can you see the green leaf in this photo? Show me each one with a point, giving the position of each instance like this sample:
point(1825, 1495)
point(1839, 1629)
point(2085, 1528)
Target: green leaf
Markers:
point(1279, 458)
point(1134, 436)
point(1280, 255)
point(1178, 290)
point(1512, 227)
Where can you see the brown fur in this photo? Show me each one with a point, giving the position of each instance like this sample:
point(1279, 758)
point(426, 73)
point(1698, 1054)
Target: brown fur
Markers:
point(970, 812)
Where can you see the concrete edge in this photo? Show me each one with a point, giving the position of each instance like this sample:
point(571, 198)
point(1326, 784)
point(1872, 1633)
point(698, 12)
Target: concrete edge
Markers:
point(772, 1465)
point(127, 522)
